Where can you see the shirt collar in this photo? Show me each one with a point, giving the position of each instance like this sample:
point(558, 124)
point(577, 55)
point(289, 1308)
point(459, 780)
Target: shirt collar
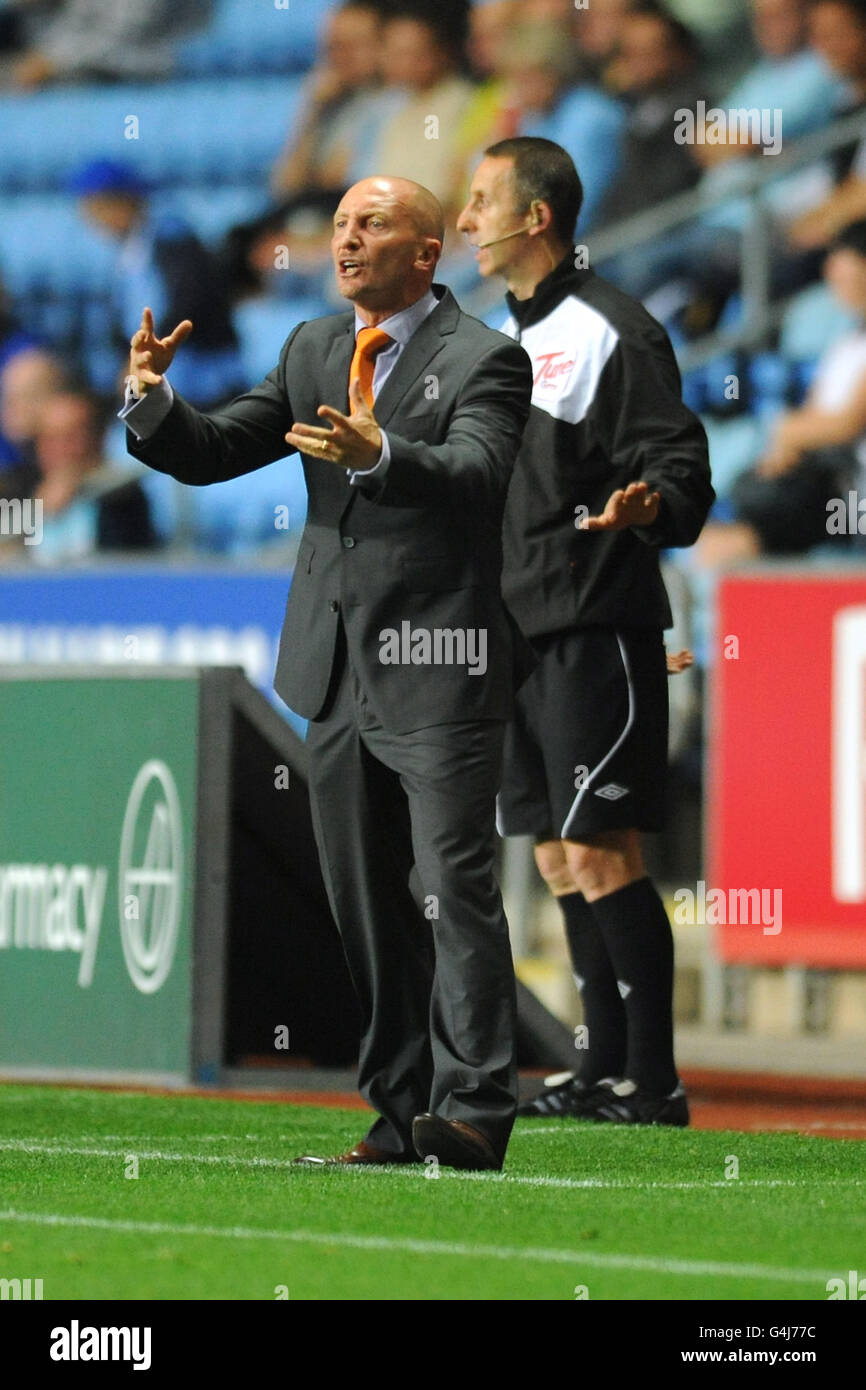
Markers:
point(548, 292)
point(402, 325)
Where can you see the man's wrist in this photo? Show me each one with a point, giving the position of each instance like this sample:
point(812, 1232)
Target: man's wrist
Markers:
point(377, 471)
point(144, 414)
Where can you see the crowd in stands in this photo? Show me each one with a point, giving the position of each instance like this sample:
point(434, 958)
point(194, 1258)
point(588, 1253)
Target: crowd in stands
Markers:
point(189, 156)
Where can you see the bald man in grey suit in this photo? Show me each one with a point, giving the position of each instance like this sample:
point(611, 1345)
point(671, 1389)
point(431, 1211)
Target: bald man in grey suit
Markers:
point(398, 649)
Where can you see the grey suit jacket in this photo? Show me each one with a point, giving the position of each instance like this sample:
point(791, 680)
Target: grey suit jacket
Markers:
point(414, 550)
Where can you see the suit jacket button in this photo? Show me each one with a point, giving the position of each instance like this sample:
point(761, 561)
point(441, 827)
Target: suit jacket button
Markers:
point(348, 542)
point(334, 606)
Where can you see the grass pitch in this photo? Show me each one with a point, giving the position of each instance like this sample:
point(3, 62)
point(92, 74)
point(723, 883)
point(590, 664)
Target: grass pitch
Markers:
point(131, 1196)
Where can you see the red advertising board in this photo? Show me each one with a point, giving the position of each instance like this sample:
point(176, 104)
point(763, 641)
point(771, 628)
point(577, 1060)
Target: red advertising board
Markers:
point(786, 737)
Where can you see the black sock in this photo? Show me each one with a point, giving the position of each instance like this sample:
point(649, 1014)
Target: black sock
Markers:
point(638, 937)
point(604, 1013)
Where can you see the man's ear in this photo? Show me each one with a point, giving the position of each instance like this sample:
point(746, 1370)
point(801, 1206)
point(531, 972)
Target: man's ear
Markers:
point(430, 252)
point(540, 217)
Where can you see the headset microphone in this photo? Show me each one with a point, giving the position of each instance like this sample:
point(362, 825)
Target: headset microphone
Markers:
point(482, 245)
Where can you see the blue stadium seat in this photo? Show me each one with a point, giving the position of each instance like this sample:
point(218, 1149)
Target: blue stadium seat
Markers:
point(721, 376)
point(225, 132)
point(234, 518)
point(695, 389)
point(802, 376)
point(44, 243)
point(211, 212)
point(770, 379)
point(733, 313)
point(253, 36)
point(735, 445)
point(263, 325)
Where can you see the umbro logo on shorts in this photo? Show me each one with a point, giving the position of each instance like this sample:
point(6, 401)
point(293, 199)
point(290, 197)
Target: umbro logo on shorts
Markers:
point(612, 792)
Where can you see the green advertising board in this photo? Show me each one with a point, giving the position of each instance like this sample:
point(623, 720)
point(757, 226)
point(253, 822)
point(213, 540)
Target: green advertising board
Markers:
point(98, 806)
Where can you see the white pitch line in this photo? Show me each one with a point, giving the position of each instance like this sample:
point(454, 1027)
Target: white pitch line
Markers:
point(818, 1124)
point(150, 1136)
point(415, 1171)
point(154, 1155)
point(592, 1259)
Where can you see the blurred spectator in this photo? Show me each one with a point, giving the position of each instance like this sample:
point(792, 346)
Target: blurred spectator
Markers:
point(423, 56)
point(489, 22)
point(539, 65)
point(816, 452)
point(488, 117)
point(489, 27)
point(560, 12)
point(286, 253)
point(655, 72)
point(14, 340)
point(722, 30)
point(87, 506)
point(339, 97)
point(27, 381)
point(598, 28)
point(162, 264)
point(95, 39)
point(696, 266)
point(12, 25)
point(788, 75)
point(838, 32)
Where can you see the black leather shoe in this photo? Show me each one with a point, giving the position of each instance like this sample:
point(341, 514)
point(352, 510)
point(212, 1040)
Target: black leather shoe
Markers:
point(453, 1142)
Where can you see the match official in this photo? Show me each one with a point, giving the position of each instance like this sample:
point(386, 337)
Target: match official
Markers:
point(612, 469)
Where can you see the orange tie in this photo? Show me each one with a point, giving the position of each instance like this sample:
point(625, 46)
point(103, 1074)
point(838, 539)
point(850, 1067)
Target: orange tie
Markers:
point(369, 342)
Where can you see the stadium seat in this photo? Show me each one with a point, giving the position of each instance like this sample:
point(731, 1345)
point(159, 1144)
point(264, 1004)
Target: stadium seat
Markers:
point(264, 36)
point(211, 212)
point(44, 243)
point(196, 132)
point(734, 446)
point(770, 379)
point(695, 389)
point(263, 325)
point(236, 518)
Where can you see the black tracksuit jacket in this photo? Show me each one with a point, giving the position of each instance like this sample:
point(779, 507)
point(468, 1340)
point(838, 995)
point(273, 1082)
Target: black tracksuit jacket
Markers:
point(606, 411)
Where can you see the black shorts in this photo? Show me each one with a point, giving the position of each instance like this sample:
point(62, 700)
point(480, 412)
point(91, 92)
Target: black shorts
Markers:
point(587, 748)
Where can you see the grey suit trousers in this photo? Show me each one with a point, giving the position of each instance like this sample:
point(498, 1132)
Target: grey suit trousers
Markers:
point(435, 979)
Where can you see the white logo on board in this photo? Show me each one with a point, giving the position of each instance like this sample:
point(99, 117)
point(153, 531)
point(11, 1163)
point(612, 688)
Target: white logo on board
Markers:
point(849, 755)
point(150, 876)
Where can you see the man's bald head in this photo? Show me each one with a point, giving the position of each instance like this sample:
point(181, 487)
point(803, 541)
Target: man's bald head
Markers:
point(422, 206)
point(388, 235)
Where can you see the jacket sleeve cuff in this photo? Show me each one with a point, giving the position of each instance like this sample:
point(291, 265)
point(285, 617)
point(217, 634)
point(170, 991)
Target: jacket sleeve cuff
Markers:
point(144, 414)
point(372, 480)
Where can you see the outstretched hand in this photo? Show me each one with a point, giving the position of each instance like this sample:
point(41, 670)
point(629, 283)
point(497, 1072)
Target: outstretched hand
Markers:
point(679, 661)
point(150, 357)
point(354, 442)
point(631, 506)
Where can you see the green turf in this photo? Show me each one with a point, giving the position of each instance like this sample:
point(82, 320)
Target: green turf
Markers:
point(660, 1217)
